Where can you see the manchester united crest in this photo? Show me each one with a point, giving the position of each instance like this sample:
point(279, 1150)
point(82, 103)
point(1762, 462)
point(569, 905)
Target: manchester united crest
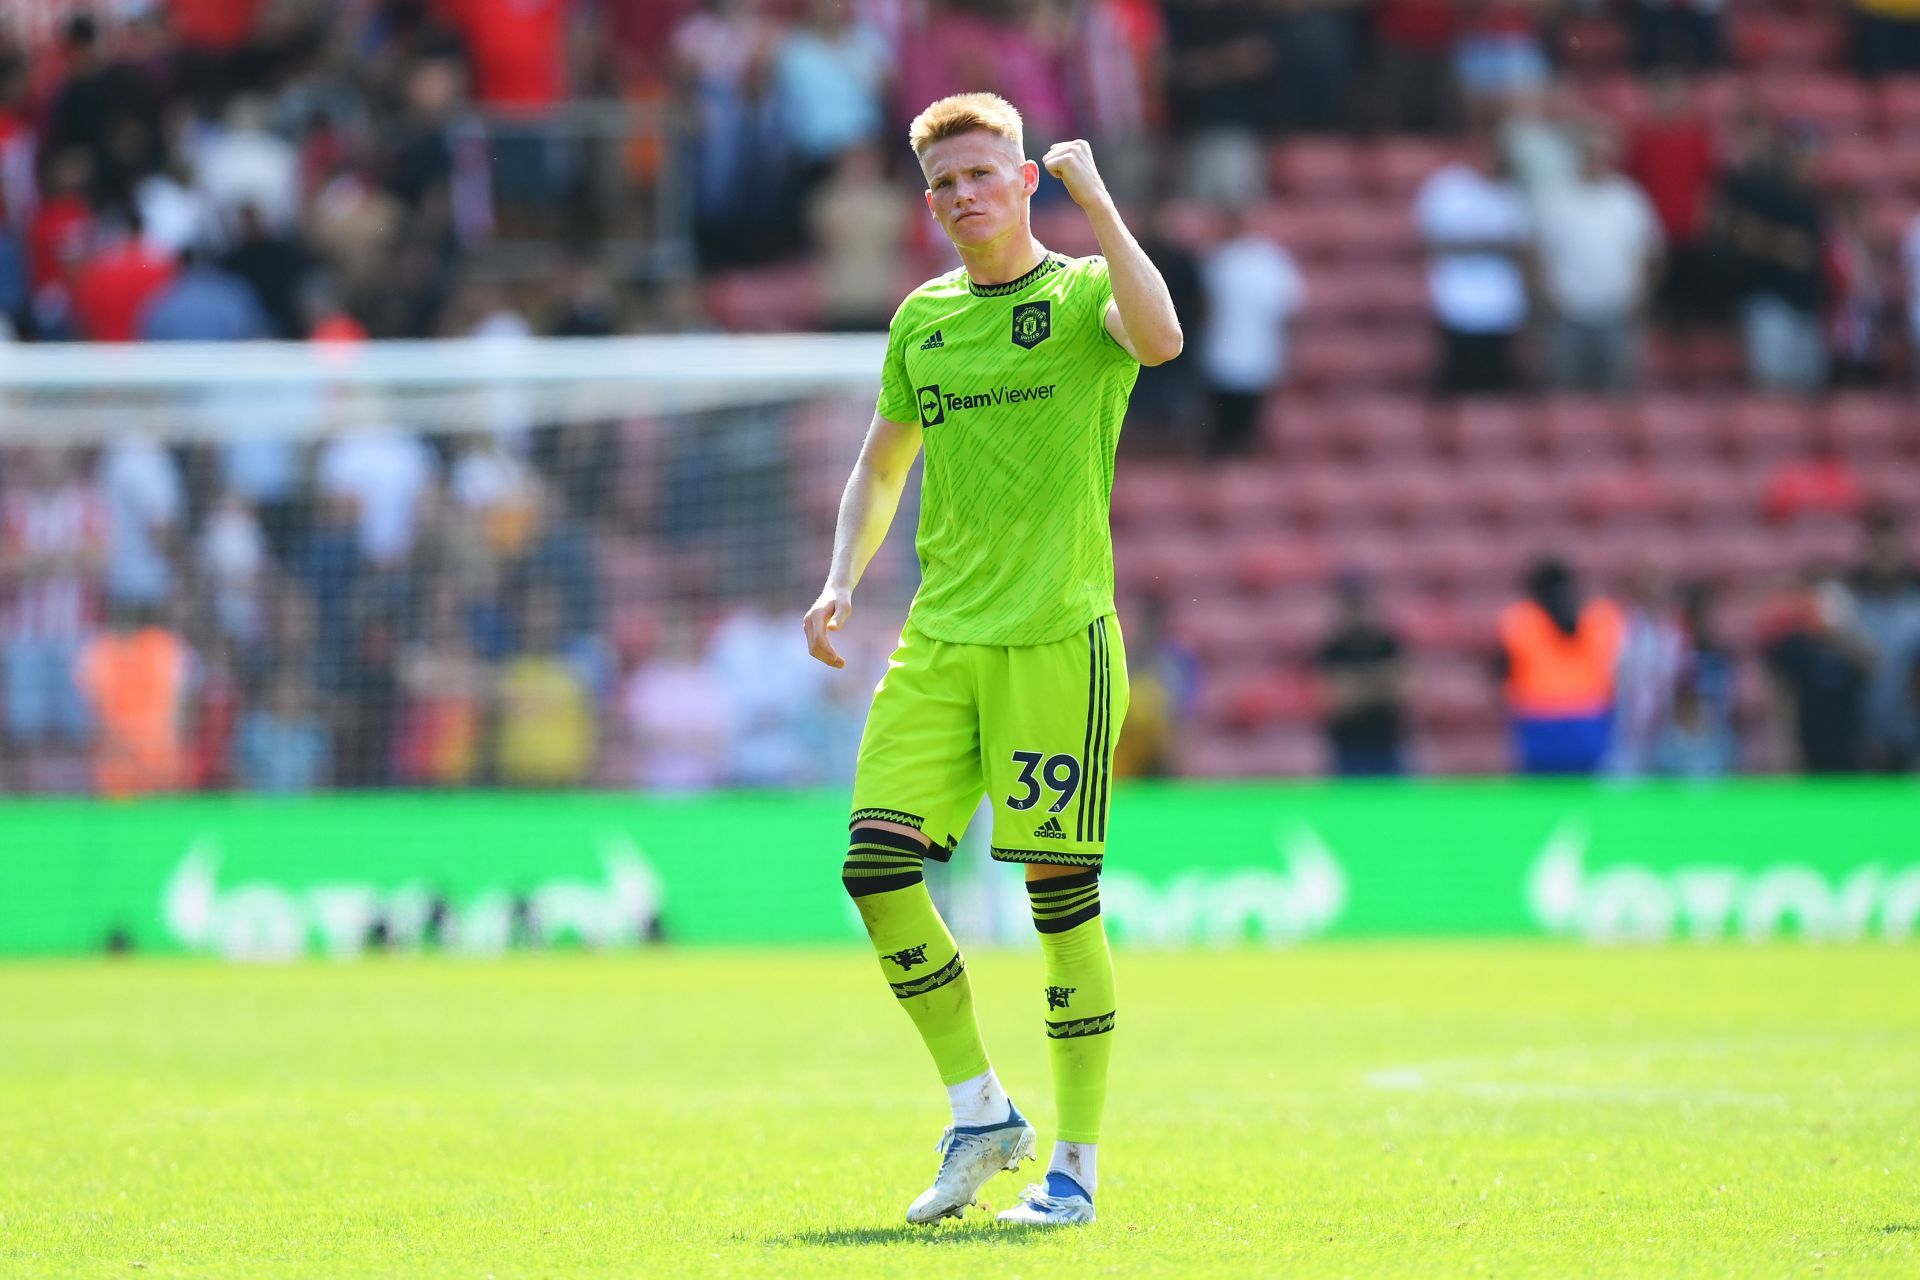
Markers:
point(1032, 324)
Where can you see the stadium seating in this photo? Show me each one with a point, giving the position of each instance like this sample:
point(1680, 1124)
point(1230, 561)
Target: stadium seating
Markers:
point(1444, 507)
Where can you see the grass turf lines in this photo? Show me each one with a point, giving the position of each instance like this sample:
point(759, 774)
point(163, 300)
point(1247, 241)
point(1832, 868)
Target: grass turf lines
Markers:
point(1359, 1110)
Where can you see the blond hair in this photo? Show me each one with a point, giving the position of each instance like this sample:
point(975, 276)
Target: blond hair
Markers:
point(964, 113)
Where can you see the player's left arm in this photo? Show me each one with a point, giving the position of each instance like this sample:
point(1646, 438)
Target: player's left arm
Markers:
point(1140, 317)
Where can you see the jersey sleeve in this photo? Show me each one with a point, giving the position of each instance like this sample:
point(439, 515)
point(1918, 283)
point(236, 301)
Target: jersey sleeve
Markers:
point(1098, 286)
point(897, 400)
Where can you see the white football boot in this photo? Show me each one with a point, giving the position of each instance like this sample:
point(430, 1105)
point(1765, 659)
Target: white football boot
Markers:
point(968, 1157)
point(1058, 1202)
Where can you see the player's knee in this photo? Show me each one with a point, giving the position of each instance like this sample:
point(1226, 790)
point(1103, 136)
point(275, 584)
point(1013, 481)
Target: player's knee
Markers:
point(881, 859)
point(1064, 902)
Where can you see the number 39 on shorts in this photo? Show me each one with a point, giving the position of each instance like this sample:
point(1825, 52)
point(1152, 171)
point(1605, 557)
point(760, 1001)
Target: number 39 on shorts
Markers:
point(1060, 774)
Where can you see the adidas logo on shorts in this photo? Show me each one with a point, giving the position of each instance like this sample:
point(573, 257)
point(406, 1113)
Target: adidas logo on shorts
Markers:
point(1051, 831)
point(934, 343)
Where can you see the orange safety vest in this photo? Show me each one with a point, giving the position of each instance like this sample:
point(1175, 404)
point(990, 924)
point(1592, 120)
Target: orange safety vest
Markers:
point(1554, 675)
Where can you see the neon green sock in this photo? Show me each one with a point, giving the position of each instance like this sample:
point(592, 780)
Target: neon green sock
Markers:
point(1080, 1004)
point(917, 953)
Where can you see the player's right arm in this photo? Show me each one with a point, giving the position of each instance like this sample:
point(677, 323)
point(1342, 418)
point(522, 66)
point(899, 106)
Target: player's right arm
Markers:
point(866, 512)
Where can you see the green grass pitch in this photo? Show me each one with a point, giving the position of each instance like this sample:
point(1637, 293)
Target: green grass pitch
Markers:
point(1340, 1110)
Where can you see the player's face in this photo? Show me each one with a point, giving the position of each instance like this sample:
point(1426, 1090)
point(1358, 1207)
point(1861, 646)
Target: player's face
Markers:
point(977, 187)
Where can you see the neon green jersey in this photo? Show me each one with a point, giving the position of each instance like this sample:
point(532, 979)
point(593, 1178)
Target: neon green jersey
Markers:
point(1019, 391)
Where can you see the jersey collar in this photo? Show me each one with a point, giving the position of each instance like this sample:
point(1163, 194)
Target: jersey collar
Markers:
point(1047, 266)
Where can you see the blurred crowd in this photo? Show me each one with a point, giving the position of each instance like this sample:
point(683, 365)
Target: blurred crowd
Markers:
point(385, 607)
point(387, 610)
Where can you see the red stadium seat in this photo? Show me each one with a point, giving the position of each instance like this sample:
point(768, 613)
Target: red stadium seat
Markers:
point(1839, 104)
point(1316, 168)
point(1898, 101)
point(1490, 429)
point(1670, 427)
point(1395, 167)
point(1249, 498)
point(1584, 431)
point(1261, 565)
point(1765, 428)
point(1779, 41)
point(1873, 431)
point(1149, 498)
point(1361, 359)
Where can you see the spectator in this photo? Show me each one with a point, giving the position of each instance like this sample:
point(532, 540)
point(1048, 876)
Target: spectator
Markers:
point(1772, 232)
point(545, 732)
point(1698, 740)
point(275, 267)
point(830, 76)
point(1543, 138)
point(1363, 673)
point(1671, 154)
point(1600, 253)
point(1681, 34)
point(1164, 685)
point(1653, 653)
point(1319, 46)
point(234, 565)
point(103, 109)
point(112, 290)
point(518, 51)
point(859, 225)
point(135, 676)
point(1254, 294)
point(722, 54)
point(385, 475)
point(53, 547)
point(677, 716)
point(282, 747)
point(445, 684)
point(244, 165)
point(1498, 53)
point(59, 242)
point(1886, 37)
point(204, 304)
point(1819, 669)
point(774, 692)
point(1859, 294)
point(1220, 66)
point(1819, 481)
point(1885, 603)
point(1166, 398)
point(1115, 58)
point(1558, 657)
point(1910, 264)
point(145, 500)
point(1476, 228)
point(1414, 84)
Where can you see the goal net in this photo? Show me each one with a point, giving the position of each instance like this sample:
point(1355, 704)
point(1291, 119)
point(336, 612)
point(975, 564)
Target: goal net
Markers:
point(511, 563)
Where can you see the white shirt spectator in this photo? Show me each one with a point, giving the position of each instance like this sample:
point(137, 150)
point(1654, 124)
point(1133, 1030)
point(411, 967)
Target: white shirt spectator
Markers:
point(1466, 219)
point(243, 165)
point(1597, 239)
point(774, 693)
point(144, 497)
point(233, 561)
point(385, 472)
point(1253, 291)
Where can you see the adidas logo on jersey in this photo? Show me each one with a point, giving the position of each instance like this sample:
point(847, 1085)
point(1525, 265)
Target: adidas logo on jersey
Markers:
point(1051, 831)
point(934, 343)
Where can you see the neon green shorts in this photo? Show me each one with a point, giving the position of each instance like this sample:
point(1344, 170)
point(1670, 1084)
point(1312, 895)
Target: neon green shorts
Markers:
point(1033, 726)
